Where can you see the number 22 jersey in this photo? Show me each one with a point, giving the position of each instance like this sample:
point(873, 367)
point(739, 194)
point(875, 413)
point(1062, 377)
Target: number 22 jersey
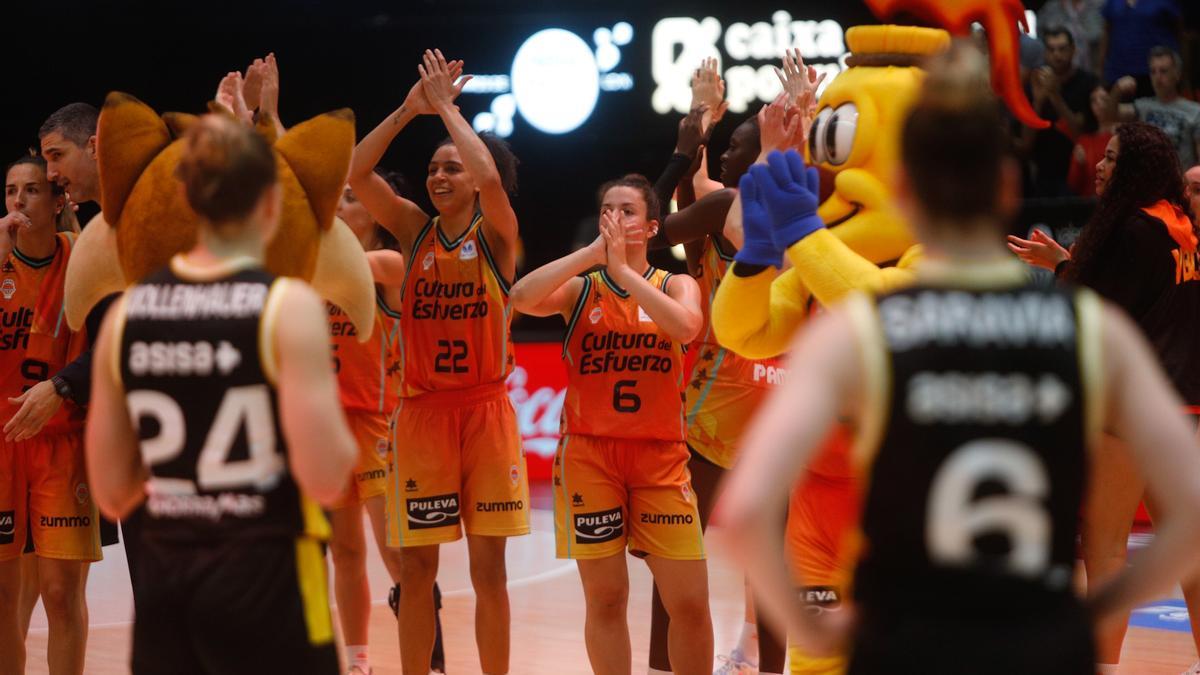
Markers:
point(455, 324)
point(624, 374)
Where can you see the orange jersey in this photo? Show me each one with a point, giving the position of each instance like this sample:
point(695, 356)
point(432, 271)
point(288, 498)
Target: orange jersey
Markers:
point(624, 374)
point(27, 358)
point(454, 330)
point(724, 389)
point(368, 372)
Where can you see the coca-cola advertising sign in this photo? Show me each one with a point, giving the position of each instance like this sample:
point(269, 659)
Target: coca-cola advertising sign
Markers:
point(536, 387)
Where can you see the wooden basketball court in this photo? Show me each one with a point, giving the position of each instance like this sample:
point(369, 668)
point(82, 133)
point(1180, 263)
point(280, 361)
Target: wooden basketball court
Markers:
point(547, 614)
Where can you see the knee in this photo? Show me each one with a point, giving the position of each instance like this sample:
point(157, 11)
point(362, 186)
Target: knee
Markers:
point(348, 553)
point(61, 599)
point(489, 575)
point(607, 601)
point(690, 609)
point(418, 570)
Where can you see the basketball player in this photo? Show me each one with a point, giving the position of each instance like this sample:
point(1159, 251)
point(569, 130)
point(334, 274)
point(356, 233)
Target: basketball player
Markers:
point(977, 398)
point(236, 414)
point(44, 495)
point(458, 458)
point(620, 474)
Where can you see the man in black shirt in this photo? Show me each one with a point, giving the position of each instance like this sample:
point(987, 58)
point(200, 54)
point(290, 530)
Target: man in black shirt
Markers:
point(1060, 94)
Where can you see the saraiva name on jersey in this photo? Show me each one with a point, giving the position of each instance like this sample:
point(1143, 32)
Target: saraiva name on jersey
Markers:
point(950, 318)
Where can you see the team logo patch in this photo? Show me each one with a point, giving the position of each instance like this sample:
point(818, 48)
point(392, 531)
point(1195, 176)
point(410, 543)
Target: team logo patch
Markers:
point(8, 527)
point(429, 512)
point(427, 261)
point(381, 447)
point(687, 492)
point(410, 485)
point(599, 527)
point(514, 475)
point(577, 499)
point(468, 252)
point(643, 316)
point(8, 288)
point(595, 315)
point(82, 494)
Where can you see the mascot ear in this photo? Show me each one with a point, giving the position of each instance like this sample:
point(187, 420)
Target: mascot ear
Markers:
point(318, 153)
point(179, 123)
point(129, 135)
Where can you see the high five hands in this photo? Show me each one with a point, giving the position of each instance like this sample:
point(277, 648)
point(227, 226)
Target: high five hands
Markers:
point(779, 207)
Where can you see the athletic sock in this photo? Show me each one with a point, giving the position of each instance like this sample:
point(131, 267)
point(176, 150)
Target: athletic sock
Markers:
point(747, 646)
point(358, 657)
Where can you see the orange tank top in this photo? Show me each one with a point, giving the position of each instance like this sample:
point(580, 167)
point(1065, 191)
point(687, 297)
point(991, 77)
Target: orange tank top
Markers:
point(27, 358)
point(455, 326)
point(367, 372)
point(624, 374)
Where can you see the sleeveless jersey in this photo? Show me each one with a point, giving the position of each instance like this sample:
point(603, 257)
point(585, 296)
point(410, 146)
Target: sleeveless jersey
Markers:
point(454, 327)
point(367, 372)
point(724, 389)
point(27, 358)
point(624, 374)
point(197, 361)
point(973, 495)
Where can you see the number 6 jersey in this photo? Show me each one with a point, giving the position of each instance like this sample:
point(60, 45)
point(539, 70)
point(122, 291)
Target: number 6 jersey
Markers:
point(980, 398)
point(197, 364)
point(624, 374)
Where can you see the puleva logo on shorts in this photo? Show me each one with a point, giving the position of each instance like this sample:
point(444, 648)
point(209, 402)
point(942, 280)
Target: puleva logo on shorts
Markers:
point(8, 526)
point(820, 598)
point(429, 512)
point(602, 526)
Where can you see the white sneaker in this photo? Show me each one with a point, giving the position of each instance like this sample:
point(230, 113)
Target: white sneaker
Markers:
point(1194, 670)
point(735, 664)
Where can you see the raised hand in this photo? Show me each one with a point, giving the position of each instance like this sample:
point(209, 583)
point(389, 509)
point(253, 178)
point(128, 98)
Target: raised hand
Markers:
point(417, 102)
point(790, 191)
point(269, 98)
point(230, 97)
point(800, 82)
point(692, 133)
point(708, 88)
point(758, 245)
point(1040, 250)
point(252, 84)
point(440, 83)
point(614, 239)
point(777, 129)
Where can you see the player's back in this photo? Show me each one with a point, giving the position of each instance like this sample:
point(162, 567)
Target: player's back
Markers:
point(973, 491)
point(197, 363)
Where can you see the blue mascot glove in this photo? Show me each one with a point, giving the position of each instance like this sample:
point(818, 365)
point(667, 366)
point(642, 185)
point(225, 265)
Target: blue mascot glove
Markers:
point(791, 192)
point(758, 240)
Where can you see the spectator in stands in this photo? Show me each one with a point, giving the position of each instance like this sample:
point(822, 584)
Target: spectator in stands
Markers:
point(1083, 19)
point(1132, 28)
point(1060, 94)
point(1089, 147)
point(1178, 117)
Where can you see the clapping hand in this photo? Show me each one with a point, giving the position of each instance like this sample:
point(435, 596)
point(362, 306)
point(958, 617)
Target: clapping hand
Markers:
point(230, 97)
point(708, 89)
point(440, 82)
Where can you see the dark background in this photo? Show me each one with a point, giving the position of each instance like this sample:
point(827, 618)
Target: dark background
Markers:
point(362, 54)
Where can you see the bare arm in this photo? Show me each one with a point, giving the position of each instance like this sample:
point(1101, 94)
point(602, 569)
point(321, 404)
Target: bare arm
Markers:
point(321, 449)
point(387, 267)
point(400, 216)
point(554, 287)
point(703, 218)
point(499, 219)
point(1144, 410)
point(115, 471)
point(825, 374)
point(677, 311)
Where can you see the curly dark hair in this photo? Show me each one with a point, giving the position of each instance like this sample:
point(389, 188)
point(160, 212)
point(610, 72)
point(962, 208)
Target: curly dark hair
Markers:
point(504, 157)
point(1146, 171)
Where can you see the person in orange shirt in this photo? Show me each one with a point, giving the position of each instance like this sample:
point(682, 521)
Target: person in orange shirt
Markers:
point(44, 493)
point(620, 475)
point(458, 458)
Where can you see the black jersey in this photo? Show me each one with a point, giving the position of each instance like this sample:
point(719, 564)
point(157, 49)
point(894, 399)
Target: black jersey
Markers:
point(974, 491)
point(196, 362)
